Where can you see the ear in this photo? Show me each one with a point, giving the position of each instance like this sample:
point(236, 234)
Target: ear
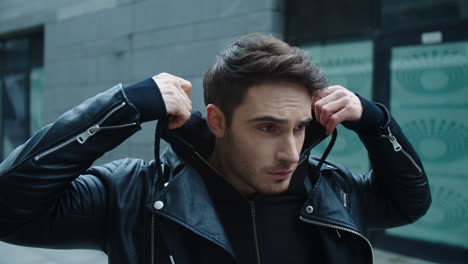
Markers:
point(216, 120)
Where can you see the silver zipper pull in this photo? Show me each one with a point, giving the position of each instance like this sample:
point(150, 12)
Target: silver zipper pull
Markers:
point(392, 139)
point(345, 200)
point(81, 138)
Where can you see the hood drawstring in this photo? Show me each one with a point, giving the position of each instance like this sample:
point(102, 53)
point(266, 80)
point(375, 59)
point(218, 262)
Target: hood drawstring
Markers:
point(160, 126)
point(326, 152)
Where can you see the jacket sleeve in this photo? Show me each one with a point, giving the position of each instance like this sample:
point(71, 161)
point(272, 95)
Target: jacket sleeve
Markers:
point(396, 190)
point(49, 196)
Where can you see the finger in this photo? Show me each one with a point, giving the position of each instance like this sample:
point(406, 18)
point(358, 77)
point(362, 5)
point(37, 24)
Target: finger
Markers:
point(334, 93)
point(331, 108)
point(179, 95)
point(183, 97)
point(324, 92)
point(176, 101)
point(334, 120)
point(178, 119)
point(174, 122)
point(320, 104)
point(185, 85)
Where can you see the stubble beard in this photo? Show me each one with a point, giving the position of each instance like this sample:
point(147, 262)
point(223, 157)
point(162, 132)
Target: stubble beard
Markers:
point(243, 170)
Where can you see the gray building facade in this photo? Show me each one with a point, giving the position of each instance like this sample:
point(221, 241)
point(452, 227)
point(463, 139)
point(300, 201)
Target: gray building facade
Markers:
point(90, 46)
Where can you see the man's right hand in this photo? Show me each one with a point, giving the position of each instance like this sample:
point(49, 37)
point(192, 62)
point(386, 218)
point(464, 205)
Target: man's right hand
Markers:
point(175, 92)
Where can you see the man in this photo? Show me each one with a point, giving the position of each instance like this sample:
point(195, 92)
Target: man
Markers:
point(238, 187)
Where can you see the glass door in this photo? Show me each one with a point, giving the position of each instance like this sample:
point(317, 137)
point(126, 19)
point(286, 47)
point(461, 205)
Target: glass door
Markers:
point(428, 95)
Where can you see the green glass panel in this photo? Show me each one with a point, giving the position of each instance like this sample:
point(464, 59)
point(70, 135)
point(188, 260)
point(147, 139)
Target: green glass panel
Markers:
point(36, 99)
point(429, 97)
point(348, 65)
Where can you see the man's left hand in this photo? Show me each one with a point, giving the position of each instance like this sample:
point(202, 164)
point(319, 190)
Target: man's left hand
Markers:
point(334, 105)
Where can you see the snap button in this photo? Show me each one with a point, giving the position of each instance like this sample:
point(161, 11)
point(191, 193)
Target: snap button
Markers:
point(158, 205)
point(309, 209)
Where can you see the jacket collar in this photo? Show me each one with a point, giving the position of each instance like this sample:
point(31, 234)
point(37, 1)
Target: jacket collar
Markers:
point(196, 136)
point(186, 198)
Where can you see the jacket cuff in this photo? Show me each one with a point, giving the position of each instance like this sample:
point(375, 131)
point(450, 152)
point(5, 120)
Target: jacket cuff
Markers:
point(372, 118)
point(147, 98)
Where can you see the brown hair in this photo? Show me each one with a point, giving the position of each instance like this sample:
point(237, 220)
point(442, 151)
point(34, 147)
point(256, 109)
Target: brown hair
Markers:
point(252, 59)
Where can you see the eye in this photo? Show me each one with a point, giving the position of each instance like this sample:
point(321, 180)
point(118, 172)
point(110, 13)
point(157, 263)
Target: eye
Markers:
point(267, 128)
point(300, 128)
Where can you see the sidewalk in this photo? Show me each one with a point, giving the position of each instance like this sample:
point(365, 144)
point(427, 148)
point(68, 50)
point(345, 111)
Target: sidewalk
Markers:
point(10, 254)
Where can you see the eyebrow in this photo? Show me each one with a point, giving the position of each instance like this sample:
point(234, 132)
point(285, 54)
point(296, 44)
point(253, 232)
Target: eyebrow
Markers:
point(276, 120)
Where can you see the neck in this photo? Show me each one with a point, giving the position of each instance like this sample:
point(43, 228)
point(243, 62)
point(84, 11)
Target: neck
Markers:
point(219, 162)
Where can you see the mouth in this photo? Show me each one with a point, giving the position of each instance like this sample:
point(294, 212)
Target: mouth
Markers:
point(281, 174)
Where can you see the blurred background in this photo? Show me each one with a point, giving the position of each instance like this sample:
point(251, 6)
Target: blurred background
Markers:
point(409, 55)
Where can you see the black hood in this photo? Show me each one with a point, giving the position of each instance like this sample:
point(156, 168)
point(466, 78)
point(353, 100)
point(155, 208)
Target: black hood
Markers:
point(195, 137)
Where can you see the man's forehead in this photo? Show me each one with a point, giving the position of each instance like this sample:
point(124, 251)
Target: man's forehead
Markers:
point(278, 90)
point(283, 96)
point(280, 114)
point(278, 120)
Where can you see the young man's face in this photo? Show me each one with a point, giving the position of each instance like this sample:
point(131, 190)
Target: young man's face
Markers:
point(262, 145)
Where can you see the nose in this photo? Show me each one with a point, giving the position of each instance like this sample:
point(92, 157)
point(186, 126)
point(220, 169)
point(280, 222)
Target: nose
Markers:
point(288, 149)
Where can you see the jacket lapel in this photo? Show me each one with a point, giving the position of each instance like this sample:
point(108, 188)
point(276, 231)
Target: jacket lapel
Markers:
point(186, 201)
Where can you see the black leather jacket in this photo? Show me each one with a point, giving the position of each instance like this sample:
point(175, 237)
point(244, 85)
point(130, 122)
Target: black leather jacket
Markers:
point(50, 196)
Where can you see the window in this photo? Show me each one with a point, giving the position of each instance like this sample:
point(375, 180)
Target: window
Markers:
point(21, 63)
point(318, 20)
point(403, 13)
point(429, 97)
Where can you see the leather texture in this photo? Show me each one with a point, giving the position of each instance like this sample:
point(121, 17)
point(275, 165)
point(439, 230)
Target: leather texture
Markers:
point(51, 196)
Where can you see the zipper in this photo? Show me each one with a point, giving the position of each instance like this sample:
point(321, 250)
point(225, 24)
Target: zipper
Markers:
point(47, 152)
point(84, 136)
point(81, 138)
point(257, 246)
point(397, 147)
point(251, 205)
point(339, 228)
point(153, 244)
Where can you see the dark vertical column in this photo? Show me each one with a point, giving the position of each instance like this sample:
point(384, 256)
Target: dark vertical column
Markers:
point(2, 65)
point(381, 69)
point(15, 93)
